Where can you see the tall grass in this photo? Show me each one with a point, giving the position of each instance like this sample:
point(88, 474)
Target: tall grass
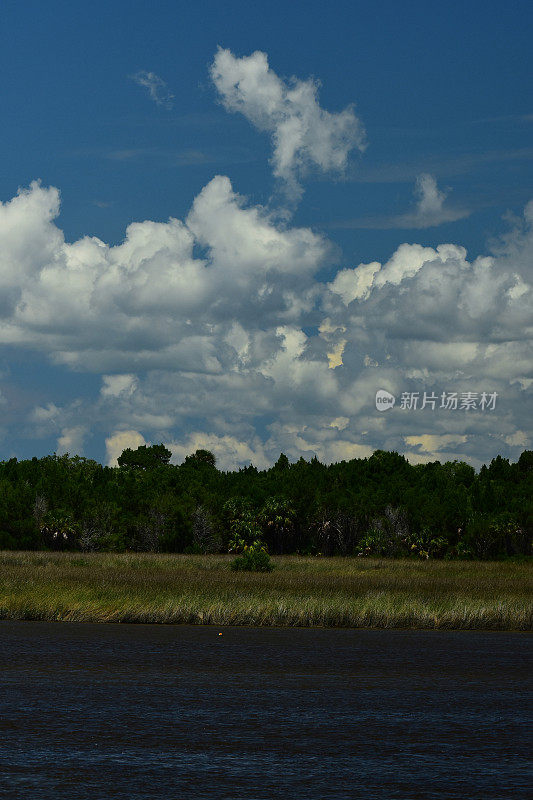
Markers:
point(302, 591)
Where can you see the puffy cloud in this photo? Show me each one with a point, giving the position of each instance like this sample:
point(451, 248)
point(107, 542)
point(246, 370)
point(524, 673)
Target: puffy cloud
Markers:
point(431, 320)
point(351, 284)
point(432, 444)
point(230, 452)
point(28, 240)
point(71, 440)
point(156, 86)
point(149, 301)
point(247, 242)
point(303, 133)
point(318, 438)
point(433, 305)
point(518, 439)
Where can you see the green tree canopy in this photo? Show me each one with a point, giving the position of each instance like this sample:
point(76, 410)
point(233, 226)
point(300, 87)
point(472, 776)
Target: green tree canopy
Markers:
point(201, 458)
point(145, 457)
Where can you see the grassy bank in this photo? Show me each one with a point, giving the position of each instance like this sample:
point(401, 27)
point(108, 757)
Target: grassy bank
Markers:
point(301, 591)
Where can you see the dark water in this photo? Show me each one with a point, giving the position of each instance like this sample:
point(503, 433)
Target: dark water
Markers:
point(138, 711)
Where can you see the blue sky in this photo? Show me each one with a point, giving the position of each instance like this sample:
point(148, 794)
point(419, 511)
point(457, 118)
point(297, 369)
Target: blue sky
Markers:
point(435, 147)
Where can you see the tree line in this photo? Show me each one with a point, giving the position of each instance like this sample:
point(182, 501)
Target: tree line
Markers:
point(377, 506)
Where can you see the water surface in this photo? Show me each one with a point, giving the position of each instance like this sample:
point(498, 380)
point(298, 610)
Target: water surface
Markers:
point(178, 712)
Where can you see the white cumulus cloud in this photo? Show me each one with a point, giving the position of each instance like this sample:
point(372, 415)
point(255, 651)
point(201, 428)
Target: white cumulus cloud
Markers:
point(71, 440)
point(149, 301)
point(303, 133)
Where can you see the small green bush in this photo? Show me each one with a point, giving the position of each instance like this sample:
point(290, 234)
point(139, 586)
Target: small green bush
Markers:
point(253, 560)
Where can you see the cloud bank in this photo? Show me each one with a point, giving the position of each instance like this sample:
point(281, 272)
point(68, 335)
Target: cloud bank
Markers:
point(212, 351)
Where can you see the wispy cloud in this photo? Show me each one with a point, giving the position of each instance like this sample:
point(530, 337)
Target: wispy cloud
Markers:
point(445, 166)
point(157, 88)
point(129, 154)
point(429, 211)
point(430, 197)
point(182, 158)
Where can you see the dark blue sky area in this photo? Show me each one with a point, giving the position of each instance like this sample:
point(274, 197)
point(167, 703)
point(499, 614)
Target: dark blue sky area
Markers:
point(443, 88)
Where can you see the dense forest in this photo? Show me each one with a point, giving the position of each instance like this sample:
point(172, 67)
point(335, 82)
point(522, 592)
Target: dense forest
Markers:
point(380, 505)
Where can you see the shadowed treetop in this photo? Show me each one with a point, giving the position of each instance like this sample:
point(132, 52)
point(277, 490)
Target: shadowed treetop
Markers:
point(145, 457)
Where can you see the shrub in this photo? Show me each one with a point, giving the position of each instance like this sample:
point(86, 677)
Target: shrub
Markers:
point(253, 560)
point(377, 542)
point(426, 545)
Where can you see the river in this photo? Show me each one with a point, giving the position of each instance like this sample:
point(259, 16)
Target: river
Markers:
point(180, 712)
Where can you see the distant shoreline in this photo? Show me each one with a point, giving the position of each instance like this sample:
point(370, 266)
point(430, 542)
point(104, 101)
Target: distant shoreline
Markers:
point(300, 592)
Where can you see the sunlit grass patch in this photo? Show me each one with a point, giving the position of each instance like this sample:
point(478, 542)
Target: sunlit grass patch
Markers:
point(301, 591)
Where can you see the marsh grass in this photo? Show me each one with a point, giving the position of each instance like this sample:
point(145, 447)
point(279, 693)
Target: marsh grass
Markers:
point(301, 591)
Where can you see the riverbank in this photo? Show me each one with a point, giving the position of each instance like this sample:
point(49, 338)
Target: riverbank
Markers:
point(301, 591)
